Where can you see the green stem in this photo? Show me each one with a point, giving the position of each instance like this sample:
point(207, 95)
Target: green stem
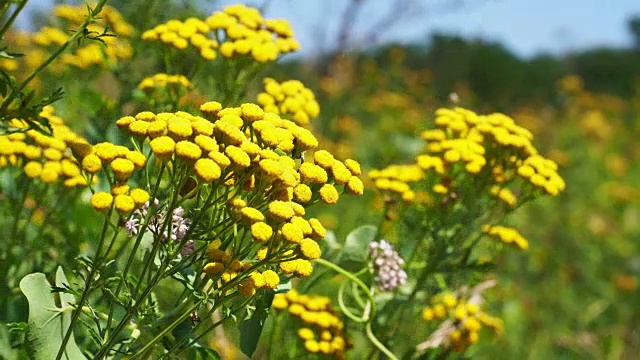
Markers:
point(164, 332)
point(378, 344)
point(14, 227)
point(87, 287)
point(80, 32)
point(13, 17)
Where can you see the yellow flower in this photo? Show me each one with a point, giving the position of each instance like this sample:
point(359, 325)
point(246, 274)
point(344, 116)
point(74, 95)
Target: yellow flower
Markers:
point(106, 151)
point(312, 173)
point(220, 159)
point(117, 189)
point(323, 158)
point(51, 154)
point(122, 168)
point(303, 268)
point(163, 147)
point(139, 196)
point(251, 112)
point(252, 214)
point(355, 186)
point(329, 194)
point(207, 170)
point(302, 193)
point(206, 143)
point(271, 279)
point(187, 150)
point(214, 268)
point(340, 172)
point(49, 175)
point(261, 232)
point(101, 201)
point(237, 156)
point(292, 233)
point(305, 334)
point(310, 249)
point(280, 302)
point(179, 128)
point(137, 158)
point(33, 169)
point(312, 346)
point(139, 128)
point(319, 231)
point(211, 108)
point(124, 204)
point(281, 210)
point(157, 128)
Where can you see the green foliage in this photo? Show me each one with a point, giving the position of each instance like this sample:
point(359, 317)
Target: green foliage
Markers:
point(48, 322)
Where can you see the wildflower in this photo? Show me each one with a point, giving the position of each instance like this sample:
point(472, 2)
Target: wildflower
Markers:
point(329, 194)
point(312, 173)
point(139, 196)
point(355, 186)
point(122, 168)
point(124, 204)
point(387, 265)
point(292, 233)
point(319, 231)
point(310, 249)
point(251, 214)
point(101, 201)
point(271, 279)
point(237, 156)
point(281, 210)
point(261, 231)
point(207, 170)
point(163, 146)
point(302, 193)
point(33, 169)
point(187, 150)
point(91, 164)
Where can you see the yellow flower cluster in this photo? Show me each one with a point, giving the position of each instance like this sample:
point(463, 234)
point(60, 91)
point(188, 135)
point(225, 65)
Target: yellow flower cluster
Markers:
point(175, 83)
point(257, 156)
point(323, 331)
point(289, 99)
point(237, 30)
point(114, 49)
point(507, 235)
point(466, 144)
point(47, 158)
point(464, 318)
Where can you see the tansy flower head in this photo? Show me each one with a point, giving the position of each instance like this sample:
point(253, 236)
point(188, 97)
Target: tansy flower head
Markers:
point(207, 170)
point(124, 204)
point(310, 249)
point(101, 201)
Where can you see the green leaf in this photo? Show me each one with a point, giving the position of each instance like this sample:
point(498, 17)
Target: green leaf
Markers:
point(251, 329)
point(356, 246)
point(47, 322)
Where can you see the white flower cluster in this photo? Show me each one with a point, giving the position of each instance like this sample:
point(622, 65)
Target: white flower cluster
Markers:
point(387, 265)
point(179, 225)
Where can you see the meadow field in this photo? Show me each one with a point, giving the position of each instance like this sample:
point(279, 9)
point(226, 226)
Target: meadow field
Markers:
point(182, 185)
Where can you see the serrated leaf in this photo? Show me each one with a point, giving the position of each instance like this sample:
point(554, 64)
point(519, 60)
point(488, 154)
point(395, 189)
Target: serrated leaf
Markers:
point(357, 242)
point(251, 329)
point(47, 322)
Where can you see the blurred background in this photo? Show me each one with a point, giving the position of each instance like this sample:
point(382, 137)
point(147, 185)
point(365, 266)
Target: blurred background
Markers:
point(568, 70)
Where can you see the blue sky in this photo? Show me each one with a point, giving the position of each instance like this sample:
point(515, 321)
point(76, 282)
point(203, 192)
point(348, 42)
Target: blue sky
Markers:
point(527, 27)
